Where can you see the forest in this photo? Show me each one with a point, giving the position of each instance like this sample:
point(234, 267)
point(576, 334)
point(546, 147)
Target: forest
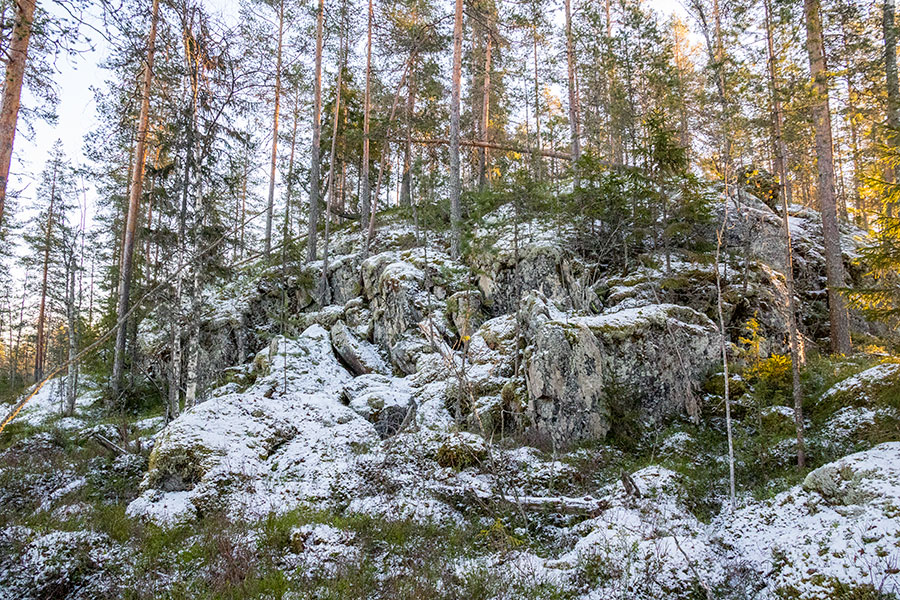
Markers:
point(593, 299)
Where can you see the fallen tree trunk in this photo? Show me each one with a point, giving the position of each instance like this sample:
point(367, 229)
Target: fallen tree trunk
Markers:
point(489, 146)
point(586, 505)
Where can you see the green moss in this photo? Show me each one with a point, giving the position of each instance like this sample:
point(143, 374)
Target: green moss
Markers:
point(177, 464)
point(458, 453)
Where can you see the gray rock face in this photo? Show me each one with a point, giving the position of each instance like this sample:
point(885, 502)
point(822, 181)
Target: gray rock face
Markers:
point(360, 356)
point(464, 310)
point(537, 257)
point(579, 369)
point(383, 401)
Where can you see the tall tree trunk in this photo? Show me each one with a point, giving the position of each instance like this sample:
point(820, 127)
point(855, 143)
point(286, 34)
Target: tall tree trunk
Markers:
point(21, 323)
point(331, 186)
point(890, 70)
point(289, 194)
point(72, 372)
point(365, 200)
point(12, 89)
point(406, 184)
point(455, 183)
point(244, 201)
point(780, 150)
point(539, 161)
point(48, 230)
point(834, 266)
point(134, 204)
point(574, 125)
point(174, 400)
point(271, 204)
point(316, 138)
point(483, 168)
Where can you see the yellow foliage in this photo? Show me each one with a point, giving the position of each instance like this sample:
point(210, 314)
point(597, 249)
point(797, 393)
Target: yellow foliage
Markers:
point(752, 340)
point(498, 537)
point(775, 369)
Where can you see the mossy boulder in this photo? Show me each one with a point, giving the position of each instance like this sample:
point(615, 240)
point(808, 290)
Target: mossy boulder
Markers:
point(877, 387)
point(461, 450)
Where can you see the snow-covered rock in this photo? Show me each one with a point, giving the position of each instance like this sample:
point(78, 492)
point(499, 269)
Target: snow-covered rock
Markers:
point(285, 440)
point(382, 400)
point(359, 355)
point(840, 527)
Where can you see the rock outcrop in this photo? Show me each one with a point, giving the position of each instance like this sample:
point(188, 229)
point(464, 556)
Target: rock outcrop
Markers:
point(579, 368)
point(285, 439)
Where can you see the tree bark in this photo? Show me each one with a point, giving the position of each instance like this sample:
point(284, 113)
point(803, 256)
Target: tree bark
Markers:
point(12, 89)
point(365, 200)
point(455, 183)
point(331, 186)
point(780, 150)
point(271, 204)
point(134, 203)
point(574, 125)
point(539, 164)
point(316, 138)
point(890, 70)
point(72, 373)
point(834, 266)
point(406, 184)
point(39, 343)
point(483, 169)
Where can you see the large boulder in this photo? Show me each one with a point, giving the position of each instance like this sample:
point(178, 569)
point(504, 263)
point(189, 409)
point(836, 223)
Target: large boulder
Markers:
point(384, 401)
point(358, 354)
point(580, 369)
point(403, 289)
point(285, 440)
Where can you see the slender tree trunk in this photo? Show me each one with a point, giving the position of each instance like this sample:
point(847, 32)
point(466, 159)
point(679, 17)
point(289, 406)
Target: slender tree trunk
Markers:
point(331, 186)
point(834, 266)
point(174, 405)
point(890, 70)
point(780, 152)
point(455, 183)
point(723, 346)
point(574, 125)
point(406, 184)
point(12, 89)
point(72, 372)
point(316, 138)
point(244, 201)
point(290, 177)
point(539, 162)
point(271, 204)
point(134, 204)
point(385, 153)
point(483, 168)
point(21, 323)
point(40, 342)
point(365, 201)
point(852, 112)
